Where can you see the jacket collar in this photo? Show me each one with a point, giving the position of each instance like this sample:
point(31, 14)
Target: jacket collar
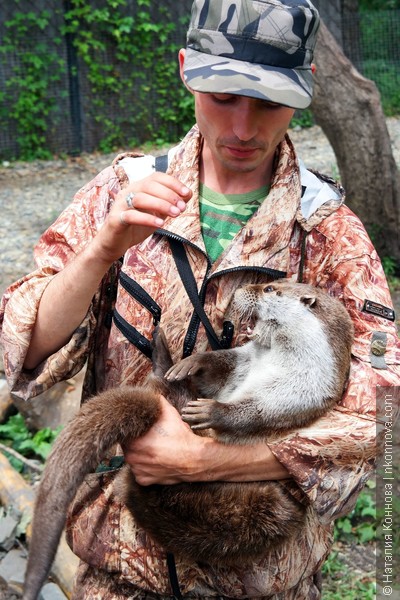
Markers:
point(269, 230)
point(296, 196)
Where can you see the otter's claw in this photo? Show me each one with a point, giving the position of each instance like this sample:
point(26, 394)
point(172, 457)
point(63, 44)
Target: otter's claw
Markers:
point(184, 368)
point(197, 413)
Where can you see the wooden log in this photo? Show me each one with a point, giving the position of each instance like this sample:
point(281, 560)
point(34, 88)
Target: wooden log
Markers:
point(6, 402)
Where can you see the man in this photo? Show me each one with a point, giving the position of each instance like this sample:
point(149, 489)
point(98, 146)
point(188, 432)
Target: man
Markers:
point(237, 201)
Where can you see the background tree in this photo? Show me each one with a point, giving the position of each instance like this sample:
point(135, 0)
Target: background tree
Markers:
point(348, 108)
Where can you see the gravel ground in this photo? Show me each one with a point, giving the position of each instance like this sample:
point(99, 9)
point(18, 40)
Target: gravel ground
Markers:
point(33, 194)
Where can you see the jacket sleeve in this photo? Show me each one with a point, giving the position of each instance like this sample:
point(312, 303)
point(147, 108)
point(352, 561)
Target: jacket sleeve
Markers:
point(70, 233)
point(332, 459)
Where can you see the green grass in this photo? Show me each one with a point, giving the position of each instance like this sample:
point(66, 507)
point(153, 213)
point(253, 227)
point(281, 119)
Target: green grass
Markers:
point(341, 580)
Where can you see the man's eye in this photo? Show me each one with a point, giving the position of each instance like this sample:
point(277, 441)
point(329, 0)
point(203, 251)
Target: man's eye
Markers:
point(223, 98)
point(272, 105)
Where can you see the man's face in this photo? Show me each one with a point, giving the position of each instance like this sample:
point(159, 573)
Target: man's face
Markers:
point(241, 133)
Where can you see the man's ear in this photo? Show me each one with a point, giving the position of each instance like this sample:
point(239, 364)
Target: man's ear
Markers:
point(181, 57)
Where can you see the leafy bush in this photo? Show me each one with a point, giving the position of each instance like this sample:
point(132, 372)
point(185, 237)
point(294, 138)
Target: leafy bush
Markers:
point(126, 65)
point(15, 434)
point(387, 78)
point(26, 99)
point(303, 118)
point(380, 36)
point(131, 66)
point(360, 525)
point(340, 581)
point(379, 4)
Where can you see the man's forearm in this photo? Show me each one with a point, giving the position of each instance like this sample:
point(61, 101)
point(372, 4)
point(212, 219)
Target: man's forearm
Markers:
point(64, 305)
point(67, 298)
point(171, 453)
point(222, 462)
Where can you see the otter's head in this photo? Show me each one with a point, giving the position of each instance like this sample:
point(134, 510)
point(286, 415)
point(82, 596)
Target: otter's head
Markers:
point(258, 299)
point(272, 306)
point(290, 307)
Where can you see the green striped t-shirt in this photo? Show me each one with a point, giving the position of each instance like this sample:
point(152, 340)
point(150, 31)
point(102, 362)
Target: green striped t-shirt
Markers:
point(223, 215)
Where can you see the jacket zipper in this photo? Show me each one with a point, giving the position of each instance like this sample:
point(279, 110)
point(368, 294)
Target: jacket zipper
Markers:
point(227, 334)
point(137, 292)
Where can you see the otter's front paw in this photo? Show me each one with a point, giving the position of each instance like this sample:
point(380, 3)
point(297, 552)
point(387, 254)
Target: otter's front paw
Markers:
point(198, 413)
point(184, 368)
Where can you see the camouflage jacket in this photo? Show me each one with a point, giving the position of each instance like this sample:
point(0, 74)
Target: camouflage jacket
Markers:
point(329, 461)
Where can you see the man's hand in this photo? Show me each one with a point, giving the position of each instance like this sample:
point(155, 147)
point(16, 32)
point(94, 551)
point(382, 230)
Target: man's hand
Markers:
point(150, 201)
point(171, 453)
point(168, 453)
point(64, 303)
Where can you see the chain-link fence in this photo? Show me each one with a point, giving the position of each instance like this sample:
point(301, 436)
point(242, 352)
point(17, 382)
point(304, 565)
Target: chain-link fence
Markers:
point(372, 42)
point(73, 81)
point(78, 77)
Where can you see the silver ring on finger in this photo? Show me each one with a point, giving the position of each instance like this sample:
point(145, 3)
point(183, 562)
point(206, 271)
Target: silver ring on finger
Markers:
point(130, 200)
point(122, 218)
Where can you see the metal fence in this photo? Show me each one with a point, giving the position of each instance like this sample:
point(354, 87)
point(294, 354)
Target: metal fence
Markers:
point(372, 42)
point(47, 89)
point(66, 106)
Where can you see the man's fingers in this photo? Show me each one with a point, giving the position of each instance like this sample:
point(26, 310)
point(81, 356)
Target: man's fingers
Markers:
point(170, 182)
point(140, 219)
point(162, 186)
point(164, 203)
point(159, 195)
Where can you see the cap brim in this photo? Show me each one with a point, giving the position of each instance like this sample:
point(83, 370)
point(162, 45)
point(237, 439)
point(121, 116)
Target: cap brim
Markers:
point(216, 74)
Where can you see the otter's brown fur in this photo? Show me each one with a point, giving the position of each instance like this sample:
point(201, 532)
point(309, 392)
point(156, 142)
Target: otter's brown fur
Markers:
point(221, 523)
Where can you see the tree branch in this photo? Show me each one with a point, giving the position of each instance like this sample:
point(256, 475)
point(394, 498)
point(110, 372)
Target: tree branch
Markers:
point(29, 463)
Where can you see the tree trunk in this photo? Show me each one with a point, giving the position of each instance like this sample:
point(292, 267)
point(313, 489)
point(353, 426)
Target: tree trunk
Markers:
point(348, 108)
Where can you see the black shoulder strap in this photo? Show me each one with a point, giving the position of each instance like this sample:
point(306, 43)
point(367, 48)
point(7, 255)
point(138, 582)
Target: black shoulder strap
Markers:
point(173, 576)
point(186, 274)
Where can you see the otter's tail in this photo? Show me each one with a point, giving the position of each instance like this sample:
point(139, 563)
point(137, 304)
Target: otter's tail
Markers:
point(108, 419)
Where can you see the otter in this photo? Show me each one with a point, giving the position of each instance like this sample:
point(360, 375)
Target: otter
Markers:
point(293, 369)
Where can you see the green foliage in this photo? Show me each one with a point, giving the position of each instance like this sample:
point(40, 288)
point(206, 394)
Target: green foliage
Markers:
point(360, 525)
point(27, 99)
point(390, 266)
point(128, 60)
point(302, 118)
point(356, 529)
point(380, 34)
point(15, 434)
point(341, 583)
point(387, 78)
point(143, 60)
point(367, 5)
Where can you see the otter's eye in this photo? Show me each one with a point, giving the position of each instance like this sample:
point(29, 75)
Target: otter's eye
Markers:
point(268, 288)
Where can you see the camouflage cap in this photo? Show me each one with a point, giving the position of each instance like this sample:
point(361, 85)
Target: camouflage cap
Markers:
point(257, 48)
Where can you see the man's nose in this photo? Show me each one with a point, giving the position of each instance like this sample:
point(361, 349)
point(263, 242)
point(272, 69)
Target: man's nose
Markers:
point(244, 121)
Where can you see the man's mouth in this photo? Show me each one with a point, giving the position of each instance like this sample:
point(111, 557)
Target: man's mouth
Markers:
point(239, 152)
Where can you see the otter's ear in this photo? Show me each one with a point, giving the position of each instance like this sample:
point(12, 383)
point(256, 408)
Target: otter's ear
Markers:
point(308, 300)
